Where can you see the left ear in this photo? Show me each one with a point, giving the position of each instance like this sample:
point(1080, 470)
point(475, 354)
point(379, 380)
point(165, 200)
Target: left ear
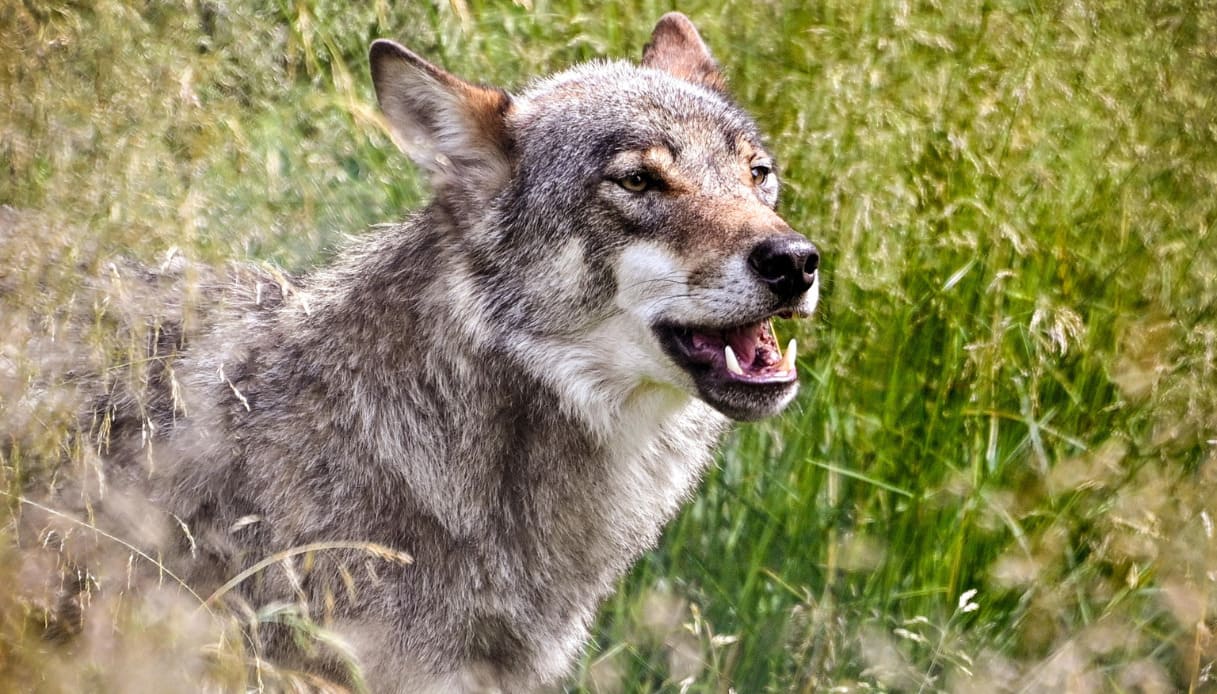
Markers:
point(676, 47)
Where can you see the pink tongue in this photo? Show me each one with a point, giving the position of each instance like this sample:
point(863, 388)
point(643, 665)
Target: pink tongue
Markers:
point(743, 342)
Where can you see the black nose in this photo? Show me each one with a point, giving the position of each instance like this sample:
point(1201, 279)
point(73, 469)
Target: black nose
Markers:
point(786, 263)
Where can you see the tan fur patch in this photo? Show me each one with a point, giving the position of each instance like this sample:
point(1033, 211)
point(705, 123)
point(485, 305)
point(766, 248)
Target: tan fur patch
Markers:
point(747, 153)
point(489, 110)
point(661, 161)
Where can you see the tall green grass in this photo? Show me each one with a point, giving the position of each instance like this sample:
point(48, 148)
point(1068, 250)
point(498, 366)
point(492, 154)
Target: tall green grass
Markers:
point(1011, 388)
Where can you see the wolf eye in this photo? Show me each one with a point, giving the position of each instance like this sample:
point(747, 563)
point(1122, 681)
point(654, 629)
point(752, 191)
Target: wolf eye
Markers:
point(760, 174)
point(635, 182)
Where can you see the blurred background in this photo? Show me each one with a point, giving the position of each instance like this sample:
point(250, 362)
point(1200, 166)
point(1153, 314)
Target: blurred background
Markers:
point(1001, 472)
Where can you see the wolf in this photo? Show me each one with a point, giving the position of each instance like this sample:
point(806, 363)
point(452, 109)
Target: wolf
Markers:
point(518, 386)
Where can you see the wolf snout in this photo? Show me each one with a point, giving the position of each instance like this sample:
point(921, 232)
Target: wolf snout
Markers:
point(786, 263)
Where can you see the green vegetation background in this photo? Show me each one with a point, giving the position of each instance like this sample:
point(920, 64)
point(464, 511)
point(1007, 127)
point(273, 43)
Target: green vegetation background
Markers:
point(1001, 473)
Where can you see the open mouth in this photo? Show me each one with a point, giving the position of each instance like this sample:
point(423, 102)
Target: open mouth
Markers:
point(746, 354)
point(739, 370)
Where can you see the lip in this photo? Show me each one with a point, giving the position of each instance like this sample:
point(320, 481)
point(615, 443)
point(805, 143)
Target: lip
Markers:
point(738, 369)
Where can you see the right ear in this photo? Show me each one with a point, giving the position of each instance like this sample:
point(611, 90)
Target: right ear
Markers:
point(455, 130)
point(676, 48)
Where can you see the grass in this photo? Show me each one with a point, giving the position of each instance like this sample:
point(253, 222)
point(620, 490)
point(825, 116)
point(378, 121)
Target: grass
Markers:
point(1001, 474)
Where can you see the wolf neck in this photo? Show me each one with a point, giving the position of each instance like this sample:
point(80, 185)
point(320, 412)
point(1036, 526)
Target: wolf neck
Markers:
point(548, 432)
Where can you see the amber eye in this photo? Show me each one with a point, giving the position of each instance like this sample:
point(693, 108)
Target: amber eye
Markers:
point(760, 174)
point(635, 182)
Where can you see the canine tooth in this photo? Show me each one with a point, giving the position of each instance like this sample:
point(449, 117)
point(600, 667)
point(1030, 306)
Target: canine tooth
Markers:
point(791, 353)
point(732, 362)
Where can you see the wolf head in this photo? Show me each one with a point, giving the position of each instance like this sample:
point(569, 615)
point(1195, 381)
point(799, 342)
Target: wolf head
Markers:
point(613, 225)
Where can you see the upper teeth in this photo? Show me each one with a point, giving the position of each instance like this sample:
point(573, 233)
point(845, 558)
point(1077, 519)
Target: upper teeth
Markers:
point(787, 363)
point(791, 353)
point(732, 362)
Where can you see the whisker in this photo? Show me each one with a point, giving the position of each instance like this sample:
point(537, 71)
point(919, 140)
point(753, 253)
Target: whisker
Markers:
point(670, 279)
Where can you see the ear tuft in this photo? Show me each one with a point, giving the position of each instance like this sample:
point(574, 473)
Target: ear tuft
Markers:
point(677, 48)
point(455, 130)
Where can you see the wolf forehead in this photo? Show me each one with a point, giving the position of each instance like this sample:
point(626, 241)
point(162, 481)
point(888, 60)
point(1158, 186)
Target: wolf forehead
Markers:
point(615, 106)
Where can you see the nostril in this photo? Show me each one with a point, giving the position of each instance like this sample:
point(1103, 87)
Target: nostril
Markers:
point(812, 263)
point(767, 262)
point(756, 259)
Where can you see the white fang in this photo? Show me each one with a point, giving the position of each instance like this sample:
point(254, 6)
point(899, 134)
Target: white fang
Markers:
point(732, 363)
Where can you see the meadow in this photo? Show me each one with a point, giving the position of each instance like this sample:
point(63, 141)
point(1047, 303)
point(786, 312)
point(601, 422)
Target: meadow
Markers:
point(1001, 472)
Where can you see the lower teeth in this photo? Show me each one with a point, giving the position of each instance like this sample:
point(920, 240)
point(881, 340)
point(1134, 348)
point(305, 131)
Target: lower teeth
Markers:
point(732, 363)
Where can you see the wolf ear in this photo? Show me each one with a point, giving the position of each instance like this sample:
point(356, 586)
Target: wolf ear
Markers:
point(455, 130)
point(677, 48)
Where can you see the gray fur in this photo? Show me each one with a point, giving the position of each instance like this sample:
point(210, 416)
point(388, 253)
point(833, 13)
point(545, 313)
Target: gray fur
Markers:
point(479, 386)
